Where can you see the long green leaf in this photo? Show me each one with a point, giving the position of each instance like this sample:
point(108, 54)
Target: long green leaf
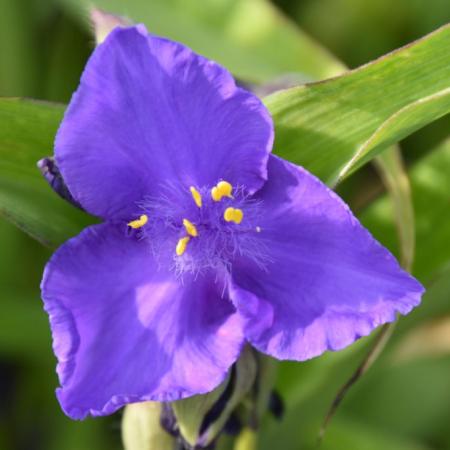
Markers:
point(27, 130)
point(399, 125)
point(323, 125)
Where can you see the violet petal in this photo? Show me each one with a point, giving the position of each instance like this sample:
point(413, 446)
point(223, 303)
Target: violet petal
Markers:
point(328, 281)
point(126, 330)
point(149, 110)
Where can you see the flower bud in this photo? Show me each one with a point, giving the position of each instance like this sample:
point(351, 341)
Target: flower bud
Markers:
point(51, 173)
point(201, 418)
point(141, 429)
point(103, 23)
point(247, 440)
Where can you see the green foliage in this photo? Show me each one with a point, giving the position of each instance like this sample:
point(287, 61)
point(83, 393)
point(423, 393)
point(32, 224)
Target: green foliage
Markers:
point(334, 126)
point(27, 130)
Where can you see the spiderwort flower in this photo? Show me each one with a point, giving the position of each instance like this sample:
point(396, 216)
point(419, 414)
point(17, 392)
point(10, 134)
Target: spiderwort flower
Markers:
point(208, 241)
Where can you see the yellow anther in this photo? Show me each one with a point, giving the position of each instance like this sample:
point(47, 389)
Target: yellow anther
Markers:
point(182, 244)
point(238, 215)
point(221, 189)
point(225, 188)
point(215, 194)
point(138, 223)
point(191, 229)
point(233, 215)
point(196, 196)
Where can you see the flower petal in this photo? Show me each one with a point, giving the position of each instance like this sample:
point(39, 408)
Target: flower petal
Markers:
point(328, 282)
point(150, 111)
point(125, 330)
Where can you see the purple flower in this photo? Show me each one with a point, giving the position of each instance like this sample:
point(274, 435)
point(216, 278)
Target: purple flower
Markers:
point(208, 240)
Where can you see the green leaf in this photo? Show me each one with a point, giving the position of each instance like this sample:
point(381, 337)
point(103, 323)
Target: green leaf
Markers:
point(27, 130)
point(399, 125)
point(250, 37)
point(326, 125)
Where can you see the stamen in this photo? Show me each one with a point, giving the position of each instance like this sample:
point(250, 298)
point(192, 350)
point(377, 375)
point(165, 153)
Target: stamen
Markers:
point(138, 223)
point(191, 229)
point(196, 196)
point(222, 189)
point(233, 215)
point(182, 244)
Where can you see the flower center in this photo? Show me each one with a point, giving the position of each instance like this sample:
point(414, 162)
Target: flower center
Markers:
point(201, 228)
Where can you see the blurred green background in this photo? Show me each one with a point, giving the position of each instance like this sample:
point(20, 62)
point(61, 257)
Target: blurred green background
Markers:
point(404, 401)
